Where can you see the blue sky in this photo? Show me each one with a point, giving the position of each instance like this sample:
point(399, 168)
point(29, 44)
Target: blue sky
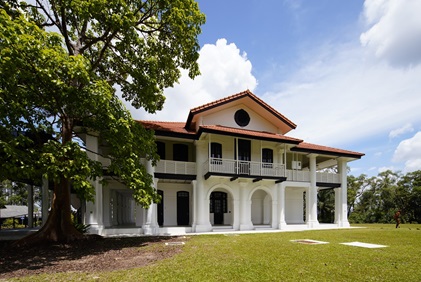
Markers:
point(348, 73)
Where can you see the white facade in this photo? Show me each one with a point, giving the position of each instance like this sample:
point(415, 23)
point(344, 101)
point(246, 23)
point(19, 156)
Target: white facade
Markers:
point(229, 167)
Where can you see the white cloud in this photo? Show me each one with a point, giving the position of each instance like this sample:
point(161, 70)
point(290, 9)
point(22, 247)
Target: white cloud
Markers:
point(224, 71)
point(402, 130)
point(384, 168)
point(340, 96)
point(394, 32)
point(409, 151)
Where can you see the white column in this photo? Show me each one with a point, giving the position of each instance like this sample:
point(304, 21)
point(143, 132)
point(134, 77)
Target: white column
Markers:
point(275, 213)
point(194, 197)
point(202, 201)
point(281, 206)
point(344, 193)
point(151, 226)
point(338, 208)
point(44, 199)
point(94, 211)
point(312, 194)
point(245, 207)
point(30, 206)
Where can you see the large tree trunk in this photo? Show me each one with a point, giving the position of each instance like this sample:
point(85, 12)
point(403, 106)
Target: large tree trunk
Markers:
point(59, 227)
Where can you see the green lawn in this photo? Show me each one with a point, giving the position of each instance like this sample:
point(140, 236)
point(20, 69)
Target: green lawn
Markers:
point(273, 257)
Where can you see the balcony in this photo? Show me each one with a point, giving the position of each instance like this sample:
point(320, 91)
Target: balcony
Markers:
point(235, 168)
point(261, 170)
point(175, 167)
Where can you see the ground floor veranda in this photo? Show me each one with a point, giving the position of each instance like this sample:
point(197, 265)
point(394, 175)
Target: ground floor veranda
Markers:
point(214, 205)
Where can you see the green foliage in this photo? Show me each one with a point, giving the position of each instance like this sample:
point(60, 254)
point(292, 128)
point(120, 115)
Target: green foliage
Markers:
point(58, 86)
point(378, 198)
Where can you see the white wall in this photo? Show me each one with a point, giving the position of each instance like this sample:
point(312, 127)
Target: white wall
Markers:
point(170, 201)
point(294, 207)
point(226, 118)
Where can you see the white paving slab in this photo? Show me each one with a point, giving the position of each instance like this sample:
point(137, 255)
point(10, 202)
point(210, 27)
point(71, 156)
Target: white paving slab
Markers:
point(364, 245)
point(309, 241)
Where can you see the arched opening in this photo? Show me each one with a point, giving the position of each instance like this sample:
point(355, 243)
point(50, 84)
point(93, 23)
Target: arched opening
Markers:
point(261, 208)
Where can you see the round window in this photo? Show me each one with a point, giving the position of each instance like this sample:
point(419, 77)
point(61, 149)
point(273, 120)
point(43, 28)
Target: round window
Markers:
point(242, 118)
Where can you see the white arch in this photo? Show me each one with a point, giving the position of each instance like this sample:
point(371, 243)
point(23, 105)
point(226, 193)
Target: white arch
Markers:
point(261, 187)
point(219, 186)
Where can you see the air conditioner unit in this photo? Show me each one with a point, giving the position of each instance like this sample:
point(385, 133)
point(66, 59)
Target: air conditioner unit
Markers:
point(296, 164)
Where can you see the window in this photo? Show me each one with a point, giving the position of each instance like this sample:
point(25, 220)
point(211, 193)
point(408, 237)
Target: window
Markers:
point(180, 152)
point(242, 118)
point(216, 153)
point(267, 158)
point(161, 149)
point(216, 150)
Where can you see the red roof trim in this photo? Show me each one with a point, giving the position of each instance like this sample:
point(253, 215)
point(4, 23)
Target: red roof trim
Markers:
point(313, 148)
point(260, 135)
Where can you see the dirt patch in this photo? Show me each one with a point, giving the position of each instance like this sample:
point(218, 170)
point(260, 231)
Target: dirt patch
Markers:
point(93, 255)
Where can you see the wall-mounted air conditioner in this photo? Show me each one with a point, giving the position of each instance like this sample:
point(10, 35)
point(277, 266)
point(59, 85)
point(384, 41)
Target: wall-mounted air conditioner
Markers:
point(296, 165)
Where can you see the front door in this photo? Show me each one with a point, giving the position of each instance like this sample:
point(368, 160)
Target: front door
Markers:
point(218, 206)
point(183, 210)
point(161, 209)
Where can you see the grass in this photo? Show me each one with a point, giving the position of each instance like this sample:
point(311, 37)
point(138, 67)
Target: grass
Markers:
point(273, 257)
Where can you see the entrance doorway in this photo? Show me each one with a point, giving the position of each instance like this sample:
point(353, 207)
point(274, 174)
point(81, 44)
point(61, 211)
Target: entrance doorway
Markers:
point(183, 209)
point(218, 206)
point(161, 209)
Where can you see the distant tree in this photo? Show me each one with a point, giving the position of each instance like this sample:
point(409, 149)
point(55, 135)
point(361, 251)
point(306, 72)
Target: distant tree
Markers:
point(61, 84)
point(326, 205)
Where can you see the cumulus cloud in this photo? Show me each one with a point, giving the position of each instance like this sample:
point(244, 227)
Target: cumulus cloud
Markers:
point(340, 96)
point(402, 130)
point(225, 70)
point(394, 30)
point(409, 152)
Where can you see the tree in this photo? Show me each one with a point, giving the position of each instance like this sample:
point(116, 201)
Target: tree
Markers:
point(63, 83)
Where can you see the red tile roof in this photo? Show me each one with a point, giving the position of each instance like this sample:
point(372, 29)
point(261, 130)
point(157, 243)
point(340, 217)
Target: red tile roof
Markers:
point(166, 126)
point(308, 147)
point(248, 133)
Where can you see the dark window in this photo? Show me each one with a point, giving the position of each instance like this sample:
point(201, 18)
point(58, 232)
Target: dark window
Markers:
point(180, 152)
point(242, 118)
point(267, 155)
point(160, 146)
point(216, 150)
point(244, 150)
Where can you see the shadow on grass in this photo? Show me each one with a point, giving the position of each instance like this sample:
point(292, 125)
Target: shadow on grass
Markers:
point(80, 255)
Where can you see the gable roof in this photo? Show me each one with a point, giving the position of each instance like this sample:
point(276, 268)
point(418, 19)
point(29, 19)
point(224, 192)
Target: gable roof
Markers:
point(248, 98)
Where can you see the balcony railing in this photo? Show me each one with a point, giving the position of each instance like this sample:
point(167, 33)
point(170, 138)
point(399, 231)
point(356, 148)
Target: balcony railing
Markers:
point(215, 165)
point(176, 167)
point(328, 177)
point(236, 167)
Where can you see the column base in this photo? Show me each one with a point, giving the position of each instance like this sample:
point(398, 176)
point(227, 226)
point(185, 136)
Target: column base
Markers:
point(313, 224)
point(203, 228)
point(344, 224)
point(95, 229)
point(282, 225)
point(248, 226)
point(150, 229)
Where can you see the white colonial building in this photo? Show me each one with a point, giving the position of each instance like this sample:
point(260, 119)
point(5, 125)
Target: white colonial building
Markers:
point(230, 166)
